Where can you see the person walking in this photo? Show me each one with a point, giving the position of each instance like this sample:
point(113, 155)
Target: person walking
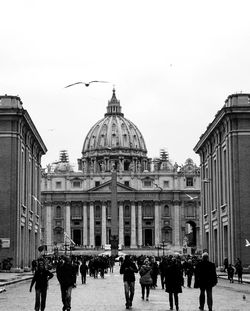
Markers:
point(206, 279)
point(128, 269)
point(189, 271)
point(162, 269)
point(173, 281)
point(66, 276)
point(83, 271)
point(146, 278)
point(230, 273)
point(239, 270)
point(41, 278)
point(155, 272)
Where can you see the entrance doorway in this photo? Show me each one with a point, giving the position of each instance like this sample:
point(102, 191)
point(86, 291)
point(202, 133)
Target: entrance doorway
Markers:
point(98, 240)
point(148, 237)
point(77, 236)
point(127, 241)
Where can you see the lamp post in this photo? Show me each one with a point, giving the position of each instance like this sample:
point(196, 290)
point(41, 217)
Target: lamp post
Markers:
point(163, 244)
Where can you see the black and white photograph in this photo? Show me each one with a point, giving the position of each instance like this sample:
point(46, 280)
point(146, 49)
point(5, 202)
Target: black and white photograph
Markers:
point(125, 155)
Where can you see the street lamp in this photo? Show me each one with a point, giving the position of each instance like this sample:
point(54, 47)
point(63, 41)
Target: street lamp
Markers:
point(163, 243)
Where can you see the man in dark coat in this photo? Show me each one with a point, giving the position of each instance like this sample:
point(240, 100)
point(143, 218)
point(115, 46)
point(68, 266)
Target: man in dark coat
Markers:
point(66, 275)
point(128, 269)
point(41, 277)
point(83, 271)
point(173, 281)
point(206, 279)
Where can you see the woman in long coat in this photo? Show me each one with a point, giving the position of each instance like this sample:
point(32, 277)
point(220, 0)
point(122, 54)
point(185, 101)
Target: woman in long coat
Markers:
point(174, 282)
point(146, 278)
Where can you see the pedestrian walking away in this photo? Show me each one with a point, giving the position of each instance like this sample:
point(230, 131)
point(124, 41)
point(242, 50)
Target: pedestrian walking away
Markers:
point(128, 269)
point(206, 279)
point(40, 279)
point(66, 275)
point(173, 281)
point(83, 271)
point(230, 273)
point(239, 270)
point(146, 278)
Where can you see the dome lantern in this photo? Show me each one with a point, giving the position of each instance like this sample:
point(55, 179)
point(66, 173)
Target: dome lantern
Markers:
point(114, 107)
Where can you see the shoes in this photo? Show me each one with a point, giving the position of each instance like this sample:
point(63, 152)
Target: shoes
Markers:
point(142, 298)
point(146, 299)
point(200, 308)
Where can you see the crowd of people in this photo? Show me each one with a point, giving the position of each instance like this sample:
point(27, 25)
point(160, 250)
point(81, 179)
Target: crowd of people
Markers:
point(167, 272)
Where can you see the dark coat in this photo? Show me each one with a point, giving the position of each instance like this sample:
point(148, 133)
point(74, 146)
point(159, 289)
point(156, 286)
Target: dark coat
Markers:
point(173, 278)
point(128, 269)
point(205, 275)
point(146, 275)
point(41, 278)
point(83, 268)
point(66, 274)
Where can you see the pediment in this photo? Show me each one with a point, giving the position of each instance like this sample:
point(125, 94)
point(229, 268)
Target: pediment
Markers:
point(106, 187)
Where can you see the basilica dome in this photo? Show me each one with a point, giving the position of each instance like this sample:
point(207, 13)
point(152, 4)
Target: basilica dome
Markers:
point(114, 132)
point(116, 138)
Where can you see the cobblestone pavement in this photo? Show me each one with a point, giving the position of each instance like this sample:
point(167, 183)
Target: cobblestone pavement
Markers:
point(107, 294)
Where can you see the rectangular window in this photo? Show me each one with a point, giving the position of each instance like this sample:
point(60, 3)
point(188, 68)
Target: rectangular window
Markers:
point(126, 183)
point(97, 183)
point(147, 183)
point(58, 184)
point(76, 184)
point(166, 184)
point(189, 182)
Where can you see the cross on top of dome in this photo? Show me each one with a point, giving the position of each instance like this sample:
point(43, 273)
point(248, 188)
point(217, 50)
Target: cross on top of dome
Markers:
point(114, 107)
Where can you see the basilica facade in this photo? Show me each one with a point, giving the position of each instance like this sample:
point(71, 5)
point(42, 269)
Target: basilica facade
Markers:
point(157, 201)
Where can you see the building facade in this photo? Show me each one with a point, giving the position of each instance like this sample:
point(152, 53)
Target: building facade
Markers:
point(157, 202)
point(20, 179)
point(225, 179)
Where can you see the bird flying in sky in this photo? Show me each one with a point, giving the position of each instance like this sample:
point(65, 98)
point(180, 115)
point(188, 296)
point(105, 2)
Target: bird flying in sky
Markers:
point(86, 83)
point(190, 197)
point(36, 199)
point(247, 243)
point(157, 186)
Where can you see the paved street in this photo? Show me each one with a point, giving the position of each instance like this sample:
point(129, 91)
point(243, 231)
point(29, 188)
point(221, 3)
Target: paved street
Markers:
point(107, 294)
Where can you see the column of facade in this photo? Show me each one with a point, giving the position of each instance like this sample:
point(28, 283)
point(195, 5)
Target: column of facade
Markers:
point(157, 224)
point(104, 223)
point(176, 223)
point(91, 225)
point(48, 228)
point(133, 226)
point(121, 224)
point(67, 219)
point(139, 223)
point(85, 224)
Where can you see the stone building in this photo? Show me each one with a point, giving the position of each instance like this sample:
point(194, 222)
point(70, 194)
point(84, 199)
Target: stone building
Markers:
point(225, 175)
point(21, 148)
point(157, 201)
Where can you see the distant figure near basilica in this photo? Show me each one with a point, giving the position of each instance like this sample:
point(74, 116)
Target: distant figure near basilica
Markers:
point(157, 201)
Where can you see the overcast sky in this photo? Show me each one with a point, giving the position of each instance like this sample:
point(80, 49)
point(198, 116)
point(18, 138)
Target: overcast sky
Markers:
point(173, 64)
